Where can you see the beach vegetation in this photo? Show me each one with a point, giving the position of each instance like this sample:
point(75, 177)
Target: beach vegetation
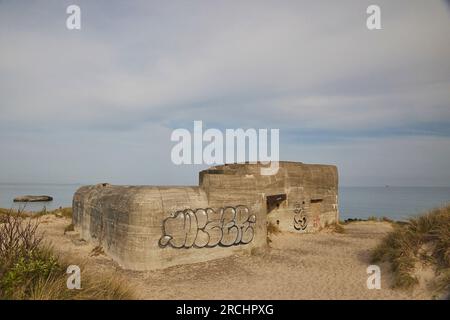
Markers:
point(422, 240)
point(30, 269)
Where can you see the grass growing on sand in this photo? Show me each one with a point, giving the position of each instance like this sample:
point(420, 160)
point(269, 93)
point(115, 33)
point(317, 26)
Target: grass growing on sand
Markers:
point(70, 227)
point(337, 227)
point(31, 270)
point(422, 240)
point(61, 212)
point(371, 218)
point(272, 228)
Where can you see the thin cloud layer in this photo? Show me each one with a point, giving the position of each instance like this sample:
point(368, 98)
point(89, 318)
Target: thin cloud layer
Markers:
point(137, 70)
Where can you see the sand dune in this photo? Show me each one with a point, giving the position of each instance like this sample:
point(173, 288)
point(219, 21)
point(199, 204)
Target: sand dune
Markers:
point(325, 265)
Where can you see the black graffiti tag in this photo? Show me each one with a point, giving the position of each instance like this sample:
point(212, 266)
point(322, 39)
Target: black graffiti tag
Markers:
point(208, 228)
point(300, 221)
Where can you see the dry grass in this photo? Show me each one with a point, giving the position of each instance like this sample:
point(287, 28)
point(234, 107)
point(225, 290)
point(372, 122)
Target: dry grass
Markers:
point(335, 227)
point(17, 239)
point(98, 250)
point(272, 228)
point(371, 218)
point(338, 228)
point(94, 286)
point(424, 239)
point(61, 212)
point(65, 212)
point(382, 219)
point(30, 270)
point(70, 227)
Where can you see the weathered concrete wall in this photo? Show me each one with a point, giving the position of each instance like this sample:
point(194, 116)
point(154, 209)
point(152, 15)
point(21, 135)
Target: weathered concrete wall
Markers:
point(149, 227)
point(308, 193)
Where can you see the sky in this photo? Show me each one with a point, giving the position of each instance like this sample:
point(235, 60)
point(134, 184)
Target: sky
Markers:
point(99, 104)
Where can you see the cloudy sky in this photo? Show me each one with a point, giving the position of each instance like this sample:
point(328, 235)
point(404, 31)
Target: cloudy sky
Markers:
point(99, 104)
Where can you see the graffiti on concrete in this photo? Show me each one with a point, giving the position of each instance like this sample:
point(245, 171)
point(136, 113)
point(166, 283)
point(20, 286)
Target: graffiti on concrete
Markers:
point(208, 228)
point(300, 221)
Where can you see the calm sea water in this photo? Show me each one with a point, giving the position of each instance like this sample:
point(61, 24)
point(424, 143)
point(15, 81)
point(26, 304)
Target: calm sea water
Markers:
point(397, 203)
point(62, 195)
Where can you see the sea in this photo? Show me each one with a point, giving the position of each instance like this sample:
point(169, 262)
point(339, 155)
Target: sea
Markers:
point(397, 203)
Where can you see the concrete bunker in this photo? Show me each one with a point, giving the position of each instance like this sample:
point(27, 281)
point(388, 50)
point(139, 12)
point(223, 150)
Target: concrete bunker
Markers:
point(151, 227)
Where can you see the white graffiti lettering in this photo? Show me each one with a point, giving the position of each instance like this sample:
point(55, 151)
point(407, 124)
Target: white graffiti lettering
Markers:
point(208, 228)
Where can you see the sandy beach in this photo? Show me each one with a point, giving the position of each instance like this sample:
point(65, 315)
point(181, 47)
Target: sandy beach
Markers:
point(325, 265)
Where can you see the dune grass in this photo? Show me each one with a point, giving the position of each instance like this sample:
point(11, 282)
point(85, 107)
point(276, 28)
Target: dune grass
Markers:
point(371, 218)
point(337, 227)
point(31, 270)
point(423, 239)
point(61, 212)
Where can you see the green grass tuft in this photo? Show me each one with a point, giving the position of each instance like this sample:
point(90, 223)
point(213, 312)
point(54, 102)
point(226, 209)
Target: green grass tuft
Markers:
point(29, 270)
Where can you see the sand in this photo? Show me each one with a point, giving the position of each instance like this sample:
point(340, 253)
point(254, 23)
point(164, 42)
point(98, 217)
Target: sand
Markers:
point(325, 265)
